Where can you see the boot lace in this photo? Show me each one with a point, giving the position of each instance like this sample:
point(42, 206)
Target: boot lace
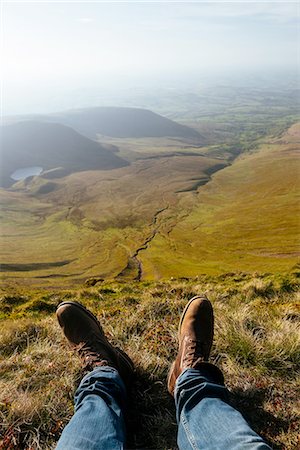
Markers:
point(194, 353)
point(88, 352)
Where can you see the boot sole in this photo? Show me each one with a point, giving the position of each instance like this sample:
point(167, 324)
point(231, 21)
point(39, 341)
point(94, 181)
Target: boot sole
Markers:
point(171, 370)
point(120, 352)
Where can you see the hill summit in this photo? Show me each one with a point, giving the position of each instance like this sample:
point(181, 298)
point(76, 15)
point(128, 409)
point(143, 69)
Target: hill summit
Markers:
point(124, 123)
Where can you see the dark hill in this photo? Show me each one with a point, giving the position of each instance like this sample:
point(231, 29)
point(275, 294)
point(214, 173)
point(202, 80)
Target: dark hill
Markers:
point(117, 122)
point(51, 145)
point(124, 122)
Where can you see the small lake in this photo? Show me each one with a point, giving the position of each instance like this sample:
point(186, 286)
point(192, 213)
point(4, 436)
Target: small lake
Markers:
point(25, 172)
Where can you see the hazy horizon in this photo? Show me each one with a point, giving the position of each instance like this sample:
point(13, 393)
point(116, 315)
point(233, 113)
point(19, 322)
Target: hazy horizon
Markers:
point(63, 55)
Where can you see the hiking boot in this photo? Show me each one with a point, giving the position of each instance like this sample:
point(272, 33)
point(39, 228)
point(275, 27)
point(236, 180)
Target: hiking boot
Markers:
point(85, 335)
point(195, 335)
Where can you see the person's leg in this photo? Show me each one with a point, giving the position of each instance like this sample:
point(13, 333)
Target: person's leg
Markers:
point(100, 399)
point(98, 422)
point(205, 420)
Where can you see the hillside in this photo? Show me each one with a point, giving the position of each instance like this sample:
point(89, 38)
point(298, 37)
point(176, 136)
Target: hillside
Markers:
point(125, 123)
point(256, 345)
point(118, 122)
point(246, 218)
point(51, 145)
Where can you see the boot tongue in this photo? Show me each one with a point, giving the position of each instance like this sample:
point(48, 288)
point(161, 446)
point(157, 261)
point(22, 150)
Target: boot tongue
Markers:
point(90, 354)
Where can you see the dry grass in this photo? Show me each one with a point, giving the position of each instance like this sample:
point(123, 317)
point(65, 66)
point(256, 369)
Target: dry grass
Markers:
point(257, 344)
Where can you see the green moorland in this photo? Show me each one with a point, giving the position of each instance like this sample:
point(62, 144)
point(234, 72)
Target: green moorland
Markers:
point(202, 210)
point(257, 345)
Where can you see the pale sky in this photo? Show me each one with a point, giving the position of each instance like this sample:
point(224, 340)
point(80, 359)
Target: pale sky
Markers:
point(48, 45)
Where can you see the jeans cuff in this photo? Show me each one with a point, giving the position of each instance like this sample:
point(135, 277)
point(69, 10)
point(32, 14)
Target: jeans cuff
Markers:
point(206, 380)
point(99, 370)
point(104, 381)
point(210, 373)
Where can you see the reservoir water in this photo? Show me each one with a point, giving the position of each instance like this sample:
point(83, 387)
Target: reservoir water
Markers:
point(21, 174)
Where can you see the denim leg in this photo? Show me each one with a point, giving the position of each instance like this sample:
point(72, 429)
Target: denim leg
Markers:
point(205, 420)
point(98, 422)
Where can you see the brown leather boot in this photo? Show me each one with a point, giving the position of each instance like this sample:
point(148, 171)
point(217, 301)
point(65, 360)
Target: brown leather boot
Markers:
point(85, 335)
point(195, 335)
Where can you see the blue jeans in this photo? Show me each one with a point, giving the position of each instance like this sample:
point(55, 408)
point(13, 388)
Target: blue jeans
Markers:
point(205, 420)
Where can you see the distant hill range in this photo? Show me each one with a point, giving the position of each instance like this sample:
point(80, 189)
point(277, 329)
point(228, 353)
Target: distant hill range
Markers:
point(117, 122)
point(50, 146)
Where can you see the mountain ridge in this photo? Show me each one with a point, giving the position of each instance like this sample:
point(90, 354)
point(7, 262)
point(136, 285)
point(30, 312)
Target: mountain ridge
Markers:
point(116, 122)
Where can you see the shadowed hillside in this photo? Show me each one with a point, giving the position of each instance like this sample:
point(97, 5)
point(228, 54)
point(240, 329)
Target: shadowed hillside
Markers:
point(125, 122)
point(51, 145)
point(119, 122)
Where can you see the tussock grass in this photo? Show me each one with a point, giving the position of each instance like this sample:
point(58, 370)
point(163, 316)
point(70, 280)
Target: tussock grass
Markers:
point(257, 345)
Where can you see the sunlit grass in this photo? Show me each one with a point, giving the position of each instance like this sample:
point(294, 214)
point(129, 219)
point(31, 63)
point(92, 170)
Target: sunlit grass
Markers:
point(257, 345)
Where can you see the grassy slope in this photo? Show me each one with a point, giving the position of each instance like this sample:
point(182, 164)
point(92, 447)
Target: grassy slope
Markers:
point(256, 344)
point(246, 218)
